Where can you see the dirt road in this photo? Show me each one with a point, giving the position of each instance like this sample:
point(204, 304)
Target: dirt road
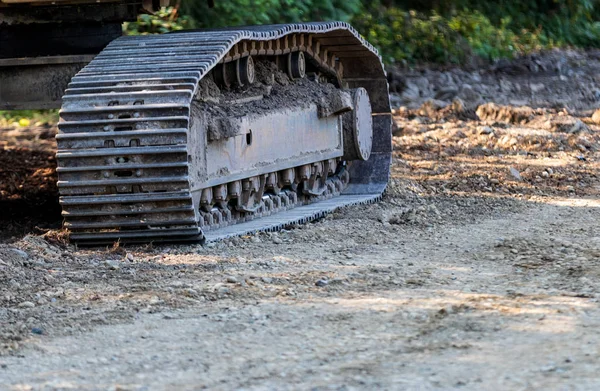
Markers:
point(479, 270)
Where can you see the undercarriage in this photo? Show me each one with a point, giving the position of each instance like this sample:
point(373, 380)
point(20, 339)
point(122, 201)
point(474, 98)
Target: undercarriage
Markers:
point(201, 135)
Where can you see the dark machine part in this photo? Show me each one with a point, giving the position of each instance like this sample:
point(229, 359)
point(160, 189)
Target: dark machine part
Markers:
point(43, 44)
point(170, 137)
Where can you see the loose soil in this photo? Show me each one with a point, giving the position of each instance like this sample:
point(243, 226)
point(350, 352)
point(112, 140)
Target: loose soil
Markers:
point(479, 270)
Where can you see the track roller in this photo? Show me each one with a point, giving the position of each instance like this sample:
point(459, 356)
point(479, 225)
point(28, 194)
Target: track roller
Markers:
point(296, 65)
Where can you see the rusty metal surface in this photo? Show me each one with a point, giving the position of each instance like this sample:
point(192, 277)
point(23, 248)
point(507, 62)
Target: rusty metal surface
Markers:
point(129, 144)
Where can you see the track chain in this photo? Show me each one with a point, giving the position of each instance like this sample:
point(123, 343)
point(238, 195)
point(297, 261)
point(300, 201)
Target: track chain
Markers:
point(123, 135)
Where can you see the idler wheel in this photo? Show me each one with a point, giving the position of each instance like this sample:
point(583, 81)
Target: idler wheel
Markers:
point(225, 74)
point(358, 127)
point(296, 65)
point(245, 71)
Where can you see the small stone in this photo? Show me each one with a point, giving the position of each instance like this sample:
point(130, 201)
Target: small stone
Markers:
point(596, 116)
point(448, 93)
point(515, 173)
point(458, 106)
point(20, 253)
point(469, 95)
point(485, 130)
point(494, 181)
point(26, 304)
point(322, 282)
point(255, 239)
point(570, 188)
point(277, 240)
point(545, 174)
point(111, 264)
point(221, 289)
point(266, 280)
point(190, 292)
point(129, 257)
point(536, 87)
point(232, 280)
point(37, 330)
point(579, 127)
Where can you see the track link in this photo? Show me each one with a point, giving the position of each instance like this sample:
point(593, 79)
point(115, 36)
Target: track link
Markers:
point(124, 151)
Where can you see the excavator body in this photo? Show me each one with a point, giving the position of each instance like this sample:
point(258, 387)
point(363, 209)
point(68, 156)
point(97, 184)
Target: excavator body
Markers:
point(200, 134)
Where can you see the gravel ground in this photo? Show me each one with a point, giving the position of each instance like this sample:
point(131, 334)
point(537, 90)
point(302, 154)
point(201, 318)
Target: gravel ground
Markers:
point(478, 270)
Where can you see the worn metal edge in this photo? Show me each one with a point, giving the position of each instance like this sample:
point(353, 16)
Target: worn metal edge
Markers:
point(298, 215)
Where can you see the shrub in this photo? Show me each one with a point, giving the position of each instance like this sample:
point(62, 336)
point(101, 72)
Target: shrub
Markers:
point(164, 21)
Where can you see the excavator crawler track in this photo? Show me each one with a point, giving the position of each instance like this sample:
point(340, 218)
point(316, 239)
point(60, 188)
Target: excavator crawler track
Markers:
point(133, 126)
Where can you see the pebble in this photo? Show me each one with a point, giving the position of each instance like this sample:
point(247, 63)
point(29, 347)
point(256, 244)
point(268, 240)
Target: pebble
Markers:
point(221, 289)
point(266, 280)
point(596, 116)
point(255, 239)
point(322, 282)
point(20, 253)
point(190, 292)
point(129, 257)
point(37, 330)
point(26, 304)
point(570, 188)
point(537, 87)
point(515, 173)
point(232, 280)
point(277, 240)
point(113, 265)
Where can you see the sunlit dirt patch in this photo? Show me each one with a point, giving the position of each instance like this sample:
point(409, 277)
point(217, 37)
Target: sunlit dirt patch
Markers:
point(480, 157)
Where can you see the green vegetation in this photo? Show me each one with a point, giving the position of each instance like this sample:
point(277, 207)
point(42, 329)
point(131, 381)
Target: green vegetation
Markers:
point(453, 31)
point(164, 21)
point(249, 12)
point(27, 117)
point(442, 31)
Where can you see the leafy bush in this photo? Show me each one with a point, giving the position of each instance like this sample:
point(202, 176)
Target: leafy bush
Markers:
point(406, 35)
point(27, 117)
point(491, 42)
point(250, 12)
point(164, 21)
point(451, 31)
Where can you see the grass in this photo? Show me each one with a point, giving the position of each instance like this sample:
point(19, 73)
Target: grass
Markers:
point(24, 118)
